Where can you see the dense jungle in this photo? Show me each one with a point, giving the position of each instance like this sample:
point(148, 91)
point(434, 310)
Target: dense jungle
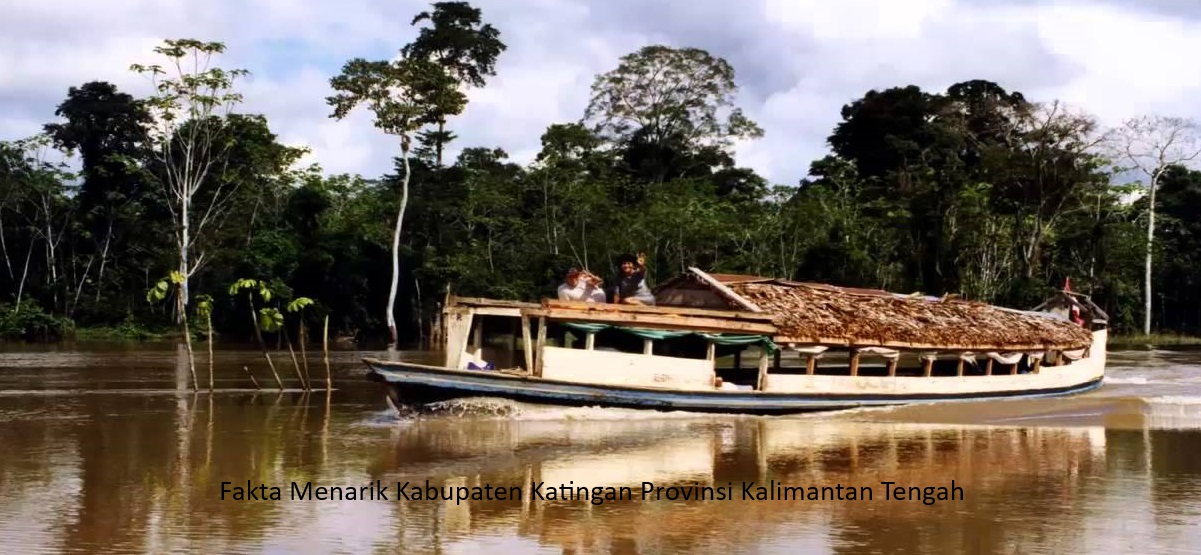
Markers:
point(975, 190)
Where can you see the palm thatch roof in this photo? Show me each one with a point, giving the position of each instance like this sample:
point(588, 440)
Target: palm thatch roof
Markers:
point(811, 313)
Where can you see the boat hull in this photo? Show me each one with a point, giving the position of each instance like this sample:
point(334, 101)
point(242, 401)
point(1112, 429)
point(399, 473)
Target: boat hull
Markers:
point(411, 384)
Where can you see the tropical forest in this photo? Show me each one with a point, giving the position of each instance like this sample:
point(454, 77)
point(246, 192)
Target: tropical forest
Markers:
point(129, 215)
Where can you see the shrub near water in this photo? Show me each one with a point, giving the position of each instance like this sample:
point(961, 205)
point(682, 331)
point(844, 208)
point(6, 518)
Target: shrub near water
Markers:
point(29, 322)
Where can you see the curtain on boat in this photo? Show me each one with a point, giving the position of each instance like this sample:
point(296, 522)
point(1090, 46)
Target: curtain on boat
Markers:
point(658, 335)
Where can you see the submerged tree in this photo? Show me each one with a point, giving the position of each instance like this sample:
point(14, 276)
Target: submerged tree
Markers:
point(1151, 145)
point(405, 95)
point(188, 106)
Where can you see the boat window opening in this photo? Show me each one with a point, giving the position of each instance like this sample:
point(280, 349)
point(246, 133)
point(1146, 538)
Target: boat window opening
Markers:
point(498, 340)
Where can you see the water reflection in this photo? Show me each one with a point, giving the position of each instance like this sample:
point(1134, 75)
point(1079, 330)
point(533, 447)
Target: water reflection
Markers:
point(144, 473)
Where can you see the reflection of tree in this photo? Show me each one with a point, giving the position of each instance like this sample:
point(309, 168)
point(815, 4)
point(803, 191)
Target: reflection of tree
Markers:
point(1033, 476)
point(150, 468)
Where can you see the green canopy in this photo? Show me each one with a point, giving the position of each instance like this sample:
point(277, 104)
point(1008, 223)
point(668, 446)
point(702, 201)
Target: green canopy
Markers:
point(719, 338)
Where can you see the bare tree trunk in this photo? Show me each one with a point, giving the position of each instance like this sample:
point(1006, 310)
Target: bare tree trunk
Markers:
point(187, 340)
point(258, 334)
point(325, 351)
point(208, 322)
point(4, 248)
point(304, 356)
point(108, 238)
point(1150, 251)
point(25, 272)
point(400, 214)
point(283, 330)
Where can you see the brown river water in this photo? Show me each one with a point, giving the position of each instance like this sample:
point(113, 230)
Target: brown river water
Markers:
point(104, 450)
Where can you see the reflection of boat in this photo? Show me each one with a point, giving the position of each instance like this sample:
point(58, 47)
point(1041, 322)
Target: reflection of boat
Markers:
point(852, 347)
point(1052, 468)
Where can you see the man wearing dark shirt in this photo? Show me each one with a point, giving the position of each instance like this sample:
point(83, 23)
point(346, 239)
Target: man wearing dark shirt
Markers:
point(630, 285)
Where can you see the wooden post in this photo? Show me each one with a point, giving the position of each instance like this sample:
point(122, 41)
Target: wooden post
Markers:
point(764, 360)
point(527, 344)
point(959, 369)
point(477, 337)
point(711, 351)
point(988, 367)
point(590, 341)
point(648, 347)
point(513, 325)
point(1013, 368)
point(810, 364)
point(927, 366)
point(855, 363)
point(777, 358)
point(892, 367)
point(540, 347)
point(1038, 363)
point(738, 360)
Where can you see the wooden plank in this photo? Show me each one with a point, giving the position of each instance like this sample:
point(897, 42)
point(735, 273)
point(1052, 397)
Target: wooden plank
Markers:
point(482, 302)
point(527, 345)
point(510, 312)
point(761, 382)
point(659, 309)
point(628, 369)
point(843, 342)
point(658, 321)
point(721, 288)
point(541, 347)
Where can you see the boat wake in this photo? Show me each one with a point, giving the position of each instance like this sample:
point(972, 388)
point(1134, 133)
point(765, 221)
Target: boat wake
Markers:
point(495, 408)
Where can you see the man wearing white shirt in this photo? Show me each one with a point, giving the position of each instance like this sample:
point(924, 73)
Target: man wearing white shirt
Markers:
point(581, 286)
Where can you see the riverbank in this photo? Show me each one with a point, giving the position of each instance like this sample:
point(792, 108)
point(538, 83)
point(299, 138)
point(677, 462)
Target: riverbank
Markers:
point(1153, 340)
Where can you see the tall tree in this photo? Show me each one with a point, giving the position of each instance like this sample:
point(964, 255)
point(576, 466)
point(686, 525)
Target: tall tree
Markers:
point(459, 41)
point(108, 129)
point(188, 106)
point(1150, 145)
point(405, 95)
point(669, 98)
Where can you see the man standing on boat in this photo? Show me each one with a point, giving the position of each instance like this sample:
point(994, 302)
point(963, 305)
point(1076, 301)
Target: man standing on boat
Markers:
point(630, 285)
point(581, 285)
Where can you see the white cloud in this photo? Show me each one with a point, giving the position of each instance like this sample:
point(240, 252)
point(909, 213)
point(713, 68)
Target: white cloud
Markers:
point(799, 60)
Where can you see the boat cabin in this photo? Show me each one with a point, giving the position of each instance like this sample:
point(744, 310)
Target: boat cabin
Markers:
point(733, 332)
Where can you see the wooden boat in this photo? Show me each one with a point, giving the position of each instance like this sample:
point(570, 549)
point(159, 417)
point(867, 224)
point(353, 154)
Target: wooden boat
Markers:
point(813, 346)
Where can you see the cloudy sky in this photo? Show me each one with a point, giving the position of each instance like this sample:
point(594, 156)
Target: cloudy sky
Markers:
point(798, 61)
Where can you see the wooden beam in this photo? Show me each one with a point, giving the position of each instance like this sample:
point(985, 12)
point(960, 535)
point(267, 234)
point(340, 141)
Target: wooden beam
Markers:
point(539, 348)
point(711, 351)
point(988, 367)
point(764, 360)
point(927, 367)
point(892, 367)
point(725, 291)
point(959, 369)
point(527, 344)
point(648, 347)
point(659, 309)
point(844, 342)
point(482, 302)
point(661, 321)
point(810, 364)
point(589, 341)
point(855, 363)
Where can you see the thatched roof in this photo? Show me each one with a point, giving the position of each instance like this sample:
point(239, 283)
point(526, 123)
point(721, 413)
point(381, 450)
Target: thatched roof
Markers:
point(816, 313)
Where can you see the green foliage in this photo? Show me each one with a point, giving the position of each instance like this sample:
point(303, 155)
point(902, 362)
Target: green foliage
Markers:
point(299, 303)
point(271, 319)
point(28, 321)
point(251, 286)
point(973, 190)
point(669, 93)
point(404, 95)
